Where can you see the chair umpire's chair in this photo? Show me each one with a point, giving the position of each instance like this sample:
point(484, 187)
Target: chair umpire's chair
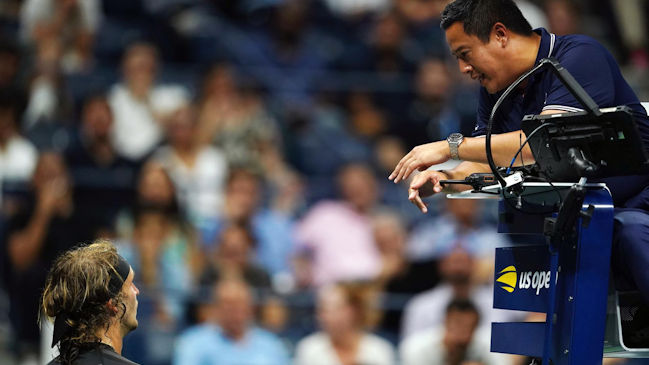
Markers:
point(627, 322)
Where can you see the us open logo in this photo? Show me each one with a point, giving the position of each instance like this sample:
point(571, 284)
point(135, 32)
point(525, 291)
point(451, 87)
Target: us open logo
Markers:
point(536, 280)
point(507, 278)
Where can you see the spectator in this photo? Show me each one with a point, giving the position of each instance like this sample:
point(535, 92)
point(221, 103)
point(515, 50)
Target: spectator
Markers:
point(272, 230)
point(421, 19)
point(9, 15)
point(392, 56)
point(17, 155)
point(234, 118)
point(399, 279)
point(563, 17)
point(49, 106)
point(230, 337)
point(533, 13)
point(390, 49)
point(287, 58)
point(162, 248)
point(630, 18)
point(357, 8)
point(431, 116)
point(140, 106)
point(348, 252)
point(388, 151)
point(36, 235)
point(366, 119)
point(418, 11)
point(10, 59)
point(103, 178)
point(461, 225)
point(232, 260)
point(274, 316)
point(198, 171)
point(154, 190)
point(321, 141)
point(453, 343)
point(71, 23)
point(285, 187)
point(457, 269)
point(343, 314)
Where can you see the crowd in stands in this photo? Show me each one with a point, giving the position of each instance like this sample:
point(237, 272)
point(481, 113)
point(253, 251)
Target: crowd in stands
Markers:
point(237, 154)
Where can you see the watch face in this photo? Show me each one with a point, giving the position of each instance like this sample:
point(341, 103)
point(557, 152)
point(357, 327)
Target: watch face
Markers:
point(455, 137)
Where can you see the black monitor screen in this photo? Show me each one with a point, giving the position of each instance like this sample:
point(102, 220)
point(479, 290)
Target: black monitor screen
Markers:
point(610, 142)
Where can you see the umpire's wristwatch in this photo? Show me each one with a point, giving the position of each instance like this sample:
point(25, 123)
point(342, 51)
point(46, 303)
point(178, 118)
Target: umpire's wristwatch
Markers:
point(454, 140)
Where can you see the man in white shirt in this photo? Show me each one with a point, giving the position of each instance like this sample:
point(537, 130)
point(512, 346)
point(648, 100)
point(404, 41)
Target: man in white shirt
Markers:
point(458, 270)
point(452, 344)
point(139, 106)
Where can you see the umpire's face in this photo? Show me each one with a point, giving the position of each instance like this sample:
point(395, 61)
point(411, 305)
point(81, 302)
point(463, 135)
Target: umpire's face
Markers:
point(483, 62)
point(130, 292)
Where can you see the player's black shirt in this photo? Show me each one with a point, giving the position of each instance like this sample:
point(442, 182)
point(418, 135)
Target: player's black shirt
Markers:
point(98, 355)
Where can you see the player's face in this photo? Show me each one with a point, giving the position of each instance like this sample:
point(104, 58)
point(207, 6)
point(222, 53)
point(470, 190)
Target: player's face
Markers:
point(130, 292)
point(484, 62)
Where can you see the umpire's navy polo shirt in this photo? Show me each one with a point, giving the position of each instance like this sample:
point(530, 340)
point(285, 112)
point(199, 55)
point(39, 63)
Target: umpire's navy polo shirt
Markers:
point(597, 72)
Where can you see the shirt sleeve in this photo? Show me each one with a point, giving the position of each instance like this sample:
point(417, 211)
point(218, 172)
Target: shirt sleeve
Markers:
point(484, 110)
point(588, 64)
point(486, 103)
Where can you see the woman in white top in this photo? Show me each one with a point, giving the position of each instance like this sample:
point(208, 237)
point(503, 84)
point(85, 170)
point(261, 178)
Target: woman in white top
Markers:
point(198, 171)
point(343, 313)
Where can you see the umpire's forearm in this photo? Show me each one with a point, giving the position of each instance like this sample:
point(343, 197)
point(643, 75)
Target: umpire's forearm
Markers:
point(503, 149)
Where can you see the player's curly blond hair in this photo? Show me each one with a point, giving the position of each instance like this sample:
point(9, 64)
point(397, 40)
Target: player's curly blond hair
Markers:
point(77, 286)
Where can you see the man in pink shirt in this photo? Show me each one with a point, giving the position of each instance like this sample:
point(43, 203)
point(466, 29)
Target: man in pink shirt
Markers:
point(334, 239)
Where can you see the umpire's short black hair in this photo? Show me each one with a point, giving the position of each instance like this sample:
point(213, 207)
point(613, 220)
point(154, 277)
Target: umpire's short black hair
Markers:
point(479, 16)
